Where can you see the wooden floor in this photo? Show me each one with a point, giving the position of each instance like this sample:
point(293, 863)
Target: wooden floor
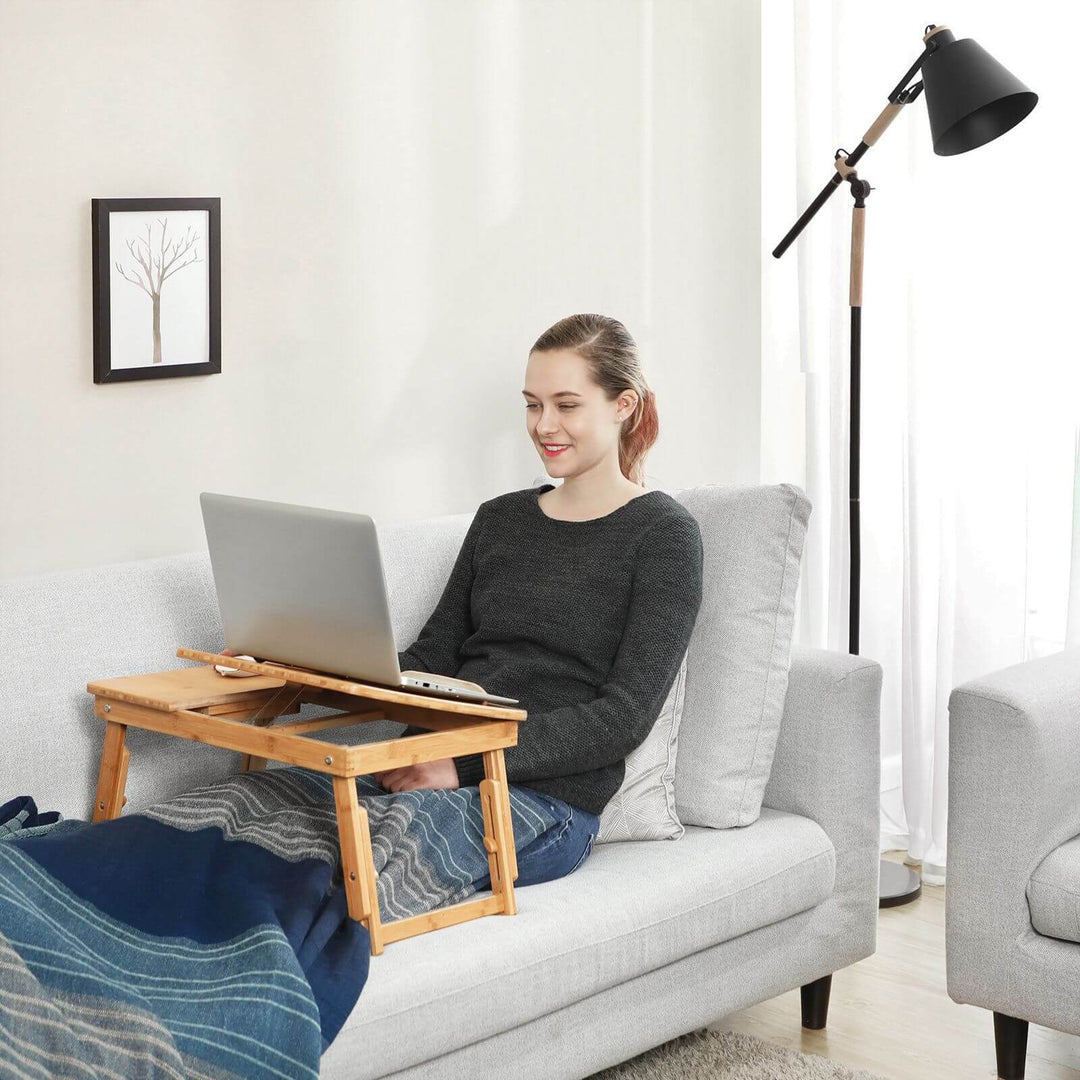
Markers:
point(891, 1014)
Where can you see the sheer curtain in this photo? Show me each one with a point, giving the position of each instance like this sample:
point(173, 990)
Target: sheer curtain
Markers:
point(970, 404)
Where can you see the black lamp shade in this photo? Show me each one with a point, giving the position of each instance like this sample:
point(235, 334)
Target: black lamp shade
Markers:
point(970, 97)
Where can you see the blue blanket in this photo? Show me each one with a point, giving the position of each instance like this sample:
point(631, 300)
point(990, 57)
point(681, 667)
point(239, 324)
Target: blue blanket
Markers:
point(208, 936)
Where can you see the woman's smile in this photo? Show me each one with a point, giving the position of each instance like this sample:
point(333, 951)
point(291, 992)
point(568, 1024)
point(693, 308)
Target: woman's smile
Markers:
point(554, 449)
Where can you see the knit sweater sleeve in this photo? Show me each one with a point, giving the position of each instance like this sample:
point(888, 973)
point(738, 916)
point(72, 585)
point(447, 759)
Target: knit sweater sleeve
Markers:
point(665, 598)
point(436, 648)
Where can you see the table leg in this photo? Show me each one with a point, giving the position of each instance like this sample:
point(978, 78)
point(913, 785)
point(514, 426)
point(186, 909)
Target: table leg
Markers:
point(112, 775)
point(499, 842)
point(367, 879)
point(357, 865)
point(495, 769)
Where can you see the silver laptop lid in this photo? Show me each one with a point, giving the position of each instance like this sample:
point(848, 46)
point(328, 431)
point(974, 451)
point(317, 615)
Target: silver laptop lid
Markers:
point(301, 585)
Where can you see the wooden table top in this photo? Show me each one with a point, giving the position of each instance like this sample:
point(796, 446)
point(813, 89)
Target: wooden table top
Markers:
point(182, 688)
point(194, 687)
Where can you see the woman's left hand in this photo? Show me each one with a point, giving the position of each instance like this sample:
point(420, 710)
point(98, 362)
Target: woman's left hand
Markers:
point(424, 774)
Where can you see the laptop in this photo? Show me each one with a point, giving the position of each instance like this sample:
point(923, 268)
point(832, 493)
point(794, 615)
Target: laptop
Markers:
point(303, 586)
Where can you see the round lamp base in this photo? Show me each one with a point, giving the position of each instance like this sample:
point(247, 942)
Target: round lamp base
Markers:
point(898, 884)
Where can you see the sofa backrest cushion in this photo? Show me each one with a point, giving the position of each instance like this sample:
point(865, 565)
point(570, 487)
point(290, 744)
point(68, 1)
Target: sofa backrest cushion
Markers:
point(740, 651)
point(59, 631)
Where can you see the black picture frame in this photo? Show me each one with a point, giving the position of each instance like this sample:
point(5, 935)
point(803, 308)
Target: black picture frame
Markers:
point(139, 352)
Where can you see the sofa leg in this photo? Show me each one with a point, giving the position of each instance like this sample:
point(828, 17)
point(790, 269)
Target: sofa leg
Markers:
point(1010, 1041)
point(815, 1002)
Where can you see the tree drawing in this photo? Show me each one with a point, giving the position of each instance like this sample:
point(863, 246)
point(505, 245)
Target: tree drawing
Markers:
point(164, 265)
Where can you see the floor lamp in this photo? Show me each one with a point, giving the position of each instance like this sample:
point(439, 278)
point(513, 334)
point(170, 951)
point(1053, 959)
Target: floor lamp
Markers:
point(971, 99)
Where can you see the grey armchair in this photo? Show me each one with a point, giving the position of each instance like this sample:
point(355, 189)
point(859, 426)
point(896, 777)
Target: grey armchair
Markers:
point(1012, 896)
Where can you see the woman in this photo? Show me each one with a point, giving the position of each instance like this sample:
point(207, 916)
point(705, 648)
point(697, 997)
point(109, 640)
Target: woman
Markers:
point(579, 600)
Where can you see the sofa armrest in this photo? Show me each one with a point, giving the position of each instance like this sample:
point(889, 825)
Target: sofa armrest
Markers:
point(1014, 796)
point(827, 765)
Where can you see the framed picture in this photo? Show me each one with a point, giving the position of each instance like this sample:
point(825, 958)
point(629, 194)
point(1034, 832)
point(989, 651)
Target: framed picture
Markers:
point(157, 288)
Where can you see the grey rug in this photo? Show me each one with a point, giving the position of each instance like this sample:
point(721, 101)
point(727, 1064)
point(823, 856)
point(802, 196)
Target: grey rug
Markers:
point(728, 1055)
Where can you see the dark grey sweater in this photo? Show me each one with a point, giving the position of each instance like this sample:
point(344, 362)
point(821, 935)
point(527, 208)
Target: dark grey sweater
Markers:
point(585, 622)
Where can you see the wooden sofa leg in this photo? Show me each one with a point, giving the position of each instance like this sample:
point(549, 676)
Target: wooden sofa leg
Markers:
point(1010, 1041)
point(815, 1002)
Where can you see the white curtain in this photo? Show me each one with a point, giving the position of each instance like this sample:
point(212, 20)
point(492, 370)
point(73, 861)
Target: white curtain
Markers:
point(970, 404)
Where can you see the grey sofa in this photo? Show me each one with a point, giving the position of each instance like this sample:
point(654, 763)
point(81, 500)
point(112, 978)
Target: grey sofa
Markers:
point(690, 930)
point(1012, 898)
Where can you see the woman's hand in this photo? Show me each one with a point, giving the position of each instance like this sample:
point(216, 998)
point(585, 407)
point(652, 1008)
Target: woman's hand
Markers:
point(424, 774)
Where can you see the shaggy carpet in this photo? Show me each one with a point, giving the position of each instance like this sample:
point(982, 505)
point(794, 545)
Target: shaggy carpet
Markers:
point(728, 1055)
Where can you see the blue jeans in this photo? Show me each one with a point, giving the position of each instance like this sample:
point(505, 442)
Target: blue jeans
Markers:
point(557, 852)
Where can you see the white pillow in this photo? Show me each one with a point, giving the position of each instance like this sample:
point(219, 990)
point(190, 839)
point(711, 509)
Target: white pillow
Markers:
point(644, 806)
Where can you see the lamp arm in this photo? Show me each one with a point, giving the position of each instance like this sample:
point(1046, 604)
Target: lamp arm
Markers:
point(844, 162)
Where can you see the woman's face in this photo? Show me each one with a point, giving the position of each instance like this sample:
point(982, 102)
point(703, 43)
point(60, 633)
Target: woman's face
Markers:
point(563, 406)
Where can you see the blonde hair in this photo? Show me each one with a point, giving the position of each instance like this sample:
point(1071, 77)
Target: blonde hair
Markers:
point(614, 365)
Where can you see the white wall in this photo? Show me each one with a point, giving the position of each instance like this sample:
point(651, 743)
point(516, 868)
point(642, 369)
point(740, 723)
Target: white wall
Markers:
point(410, 194)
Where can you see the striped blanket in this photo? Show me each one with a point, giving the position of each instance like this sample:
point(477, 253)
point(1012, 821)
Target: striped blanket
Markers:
point(208, 936)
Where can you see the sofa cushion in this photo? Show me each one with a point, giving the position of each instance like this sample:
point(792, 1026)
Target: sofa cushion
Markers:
point(1054, 893)
point(64, 629)
point(630, 908)
point(61, 630)
point(644, 806)
point(740, 650)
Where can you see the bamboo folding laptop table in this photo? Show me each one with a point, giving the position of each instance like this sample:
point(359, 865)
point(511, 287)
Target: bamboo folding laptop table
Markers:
point(238, 714)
